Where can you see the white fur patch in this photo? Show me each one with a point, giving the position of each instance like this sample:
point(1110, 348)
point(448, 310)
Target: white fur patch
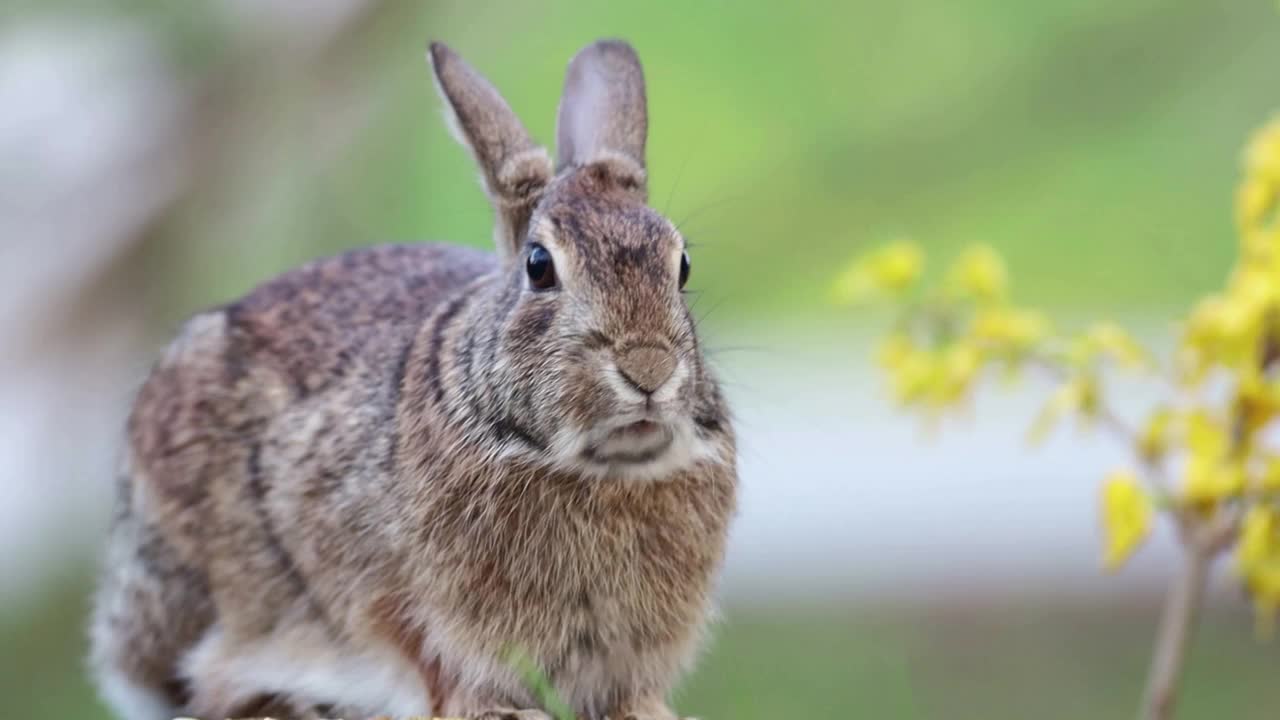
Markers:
point(569, 448)
point(687, 446)
point(203, 334)
point(131, 701)
point(301, 665)
point(687, 449)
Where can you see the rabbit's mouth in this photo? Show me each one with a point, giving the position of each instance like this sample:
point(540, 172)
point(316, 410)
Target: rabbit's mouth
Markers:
point(642, 441)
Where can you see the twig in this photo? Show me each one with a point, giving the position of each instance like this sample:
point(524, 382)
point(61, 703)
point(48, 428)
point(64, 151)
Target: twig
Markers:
point(1110, 420)
point(1182, 606)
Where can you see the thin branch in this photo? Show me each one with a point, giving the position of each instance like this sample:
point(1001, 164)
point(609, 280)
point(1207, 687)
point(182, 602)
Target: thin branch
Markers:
point(1181, 609)
point(1110, 420)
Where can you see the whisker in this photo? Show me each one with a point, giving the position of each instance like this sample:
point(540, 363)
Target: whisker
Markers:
point(666, 206)
point(697, 296)
point(697, 321)
point(763, 349)
point(683, 223)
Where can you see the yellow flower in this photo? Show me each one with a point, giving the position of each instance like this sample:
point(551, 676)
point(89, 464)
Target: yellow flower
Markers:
point(958, 368)
point(1253, 287)
point(1109, 340)
point(912, 374)
point(1258, 561)
point(1213, 471)
point(1230, 328)
point(1258, 538)
point(978, 274)
point(1260, 248)
point(1269, 478)
point(1255, 201)
point(894, 349)
point(1259, 193)
point(1153, 442)
point(1257, 403)
point(1008, 330)
point(1262, 176)
point(934, 378)
point(1126, 517)
point(1077, 395)
point(897, 265)
point(890, 270)
point(1227, 329)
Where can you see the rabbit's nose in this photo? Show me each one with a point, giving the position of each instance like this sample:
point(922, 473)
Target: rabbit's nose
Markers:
point(646, 367)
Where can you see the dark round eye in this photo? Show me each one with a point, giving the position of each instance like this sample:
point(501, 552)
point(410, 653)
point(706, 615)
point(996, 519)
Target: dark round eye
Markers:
point(542, 272)
point(684, 269)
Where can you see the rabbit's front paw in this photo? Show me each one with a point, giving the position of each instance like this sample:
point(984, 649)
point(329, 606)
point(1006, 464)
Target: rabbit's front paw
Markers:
point(644, 709)
point(509, 714)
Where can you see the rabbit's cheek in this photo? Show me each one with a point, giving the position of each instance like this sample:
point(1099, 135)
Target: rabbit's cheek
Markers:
point(585, 400)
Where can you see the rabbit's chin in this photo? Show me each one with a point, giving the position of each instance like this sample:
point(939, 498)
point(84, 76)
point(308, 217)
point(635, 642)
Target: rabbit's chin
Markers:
point(635, 449)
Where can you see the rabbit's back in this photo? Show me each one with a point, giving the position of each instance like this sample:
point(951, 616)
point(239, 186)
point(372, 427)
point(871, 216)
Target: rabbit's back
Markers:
point(317, 323)
point(331, 334)
point(286, 392)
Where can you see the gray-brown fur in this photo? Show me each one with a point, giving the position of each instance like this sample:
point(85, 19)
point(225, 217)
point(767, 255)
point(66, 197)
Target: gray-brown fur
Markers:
point(400, 465)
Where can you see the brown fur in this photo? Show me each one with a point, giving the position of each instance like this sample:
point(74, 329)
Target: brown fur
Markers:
point(377, 454)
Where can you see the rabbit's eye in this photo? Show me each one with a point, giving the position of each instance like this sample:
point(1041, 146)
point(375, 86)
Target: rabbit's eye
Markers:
point(684, 269)
point(542, 272)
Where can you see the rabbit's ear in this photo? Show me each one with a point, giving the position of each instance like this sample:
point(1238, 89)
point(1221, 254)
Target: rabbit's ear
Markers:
point(603, 113)
point(515, 169)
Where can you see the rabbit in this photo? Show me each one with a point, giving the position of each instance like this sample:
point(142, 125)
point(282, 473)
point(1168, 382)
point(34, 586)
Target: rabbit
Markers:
point(391, 481)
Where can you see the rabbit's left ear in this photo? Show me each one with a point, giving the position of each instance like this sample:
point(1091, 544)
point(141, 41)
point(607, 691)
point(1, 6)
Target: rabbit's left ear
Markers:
point(515, 169)
point(603, 111)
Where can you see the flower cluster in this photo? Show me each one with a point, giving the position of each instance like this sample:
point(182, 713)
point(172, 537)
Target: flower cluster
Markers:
point(943, 339)
point(1208, 457)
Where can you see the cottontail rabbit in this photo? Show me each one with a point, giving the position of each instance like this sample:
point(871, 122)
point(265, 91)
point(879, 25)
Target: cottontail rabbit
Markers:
point(377, 481)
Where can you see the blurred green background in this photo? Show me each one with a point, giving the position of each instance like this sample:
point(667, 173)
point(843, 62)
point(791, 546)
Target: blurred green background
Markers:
point(1095, 143)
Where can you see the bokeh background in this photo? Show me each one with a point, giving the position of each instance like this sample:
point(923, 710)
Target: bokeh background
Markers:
point(158, 157)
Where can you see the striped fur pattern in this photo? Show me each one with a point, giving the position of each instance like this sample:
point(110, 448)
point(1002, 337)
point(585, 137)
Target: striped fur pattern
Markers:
point(377, 481)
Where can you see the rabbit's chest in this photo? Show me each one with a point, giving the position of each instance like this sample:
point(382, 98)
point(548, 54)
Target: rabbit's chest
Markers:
point(572, 572)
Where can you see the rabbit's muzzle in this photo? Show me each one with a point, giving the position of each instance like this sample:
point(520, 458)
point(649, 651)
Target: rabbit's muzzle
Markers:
point(642, 441)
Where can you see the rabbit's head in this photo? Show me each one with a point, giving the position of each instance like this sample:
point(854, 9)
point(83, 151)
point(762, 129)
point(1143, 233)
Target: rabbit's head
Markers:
point(595, 360)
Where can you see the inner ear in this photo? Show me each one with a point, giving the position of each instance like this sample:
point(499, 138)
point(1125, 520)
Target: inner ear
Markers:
point(603, 116)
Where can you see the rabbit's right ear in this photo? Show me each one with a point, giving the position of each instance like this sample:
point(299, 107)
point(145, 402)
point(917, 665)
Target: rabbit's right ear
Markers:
point(515, 169)
point(603, 112)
